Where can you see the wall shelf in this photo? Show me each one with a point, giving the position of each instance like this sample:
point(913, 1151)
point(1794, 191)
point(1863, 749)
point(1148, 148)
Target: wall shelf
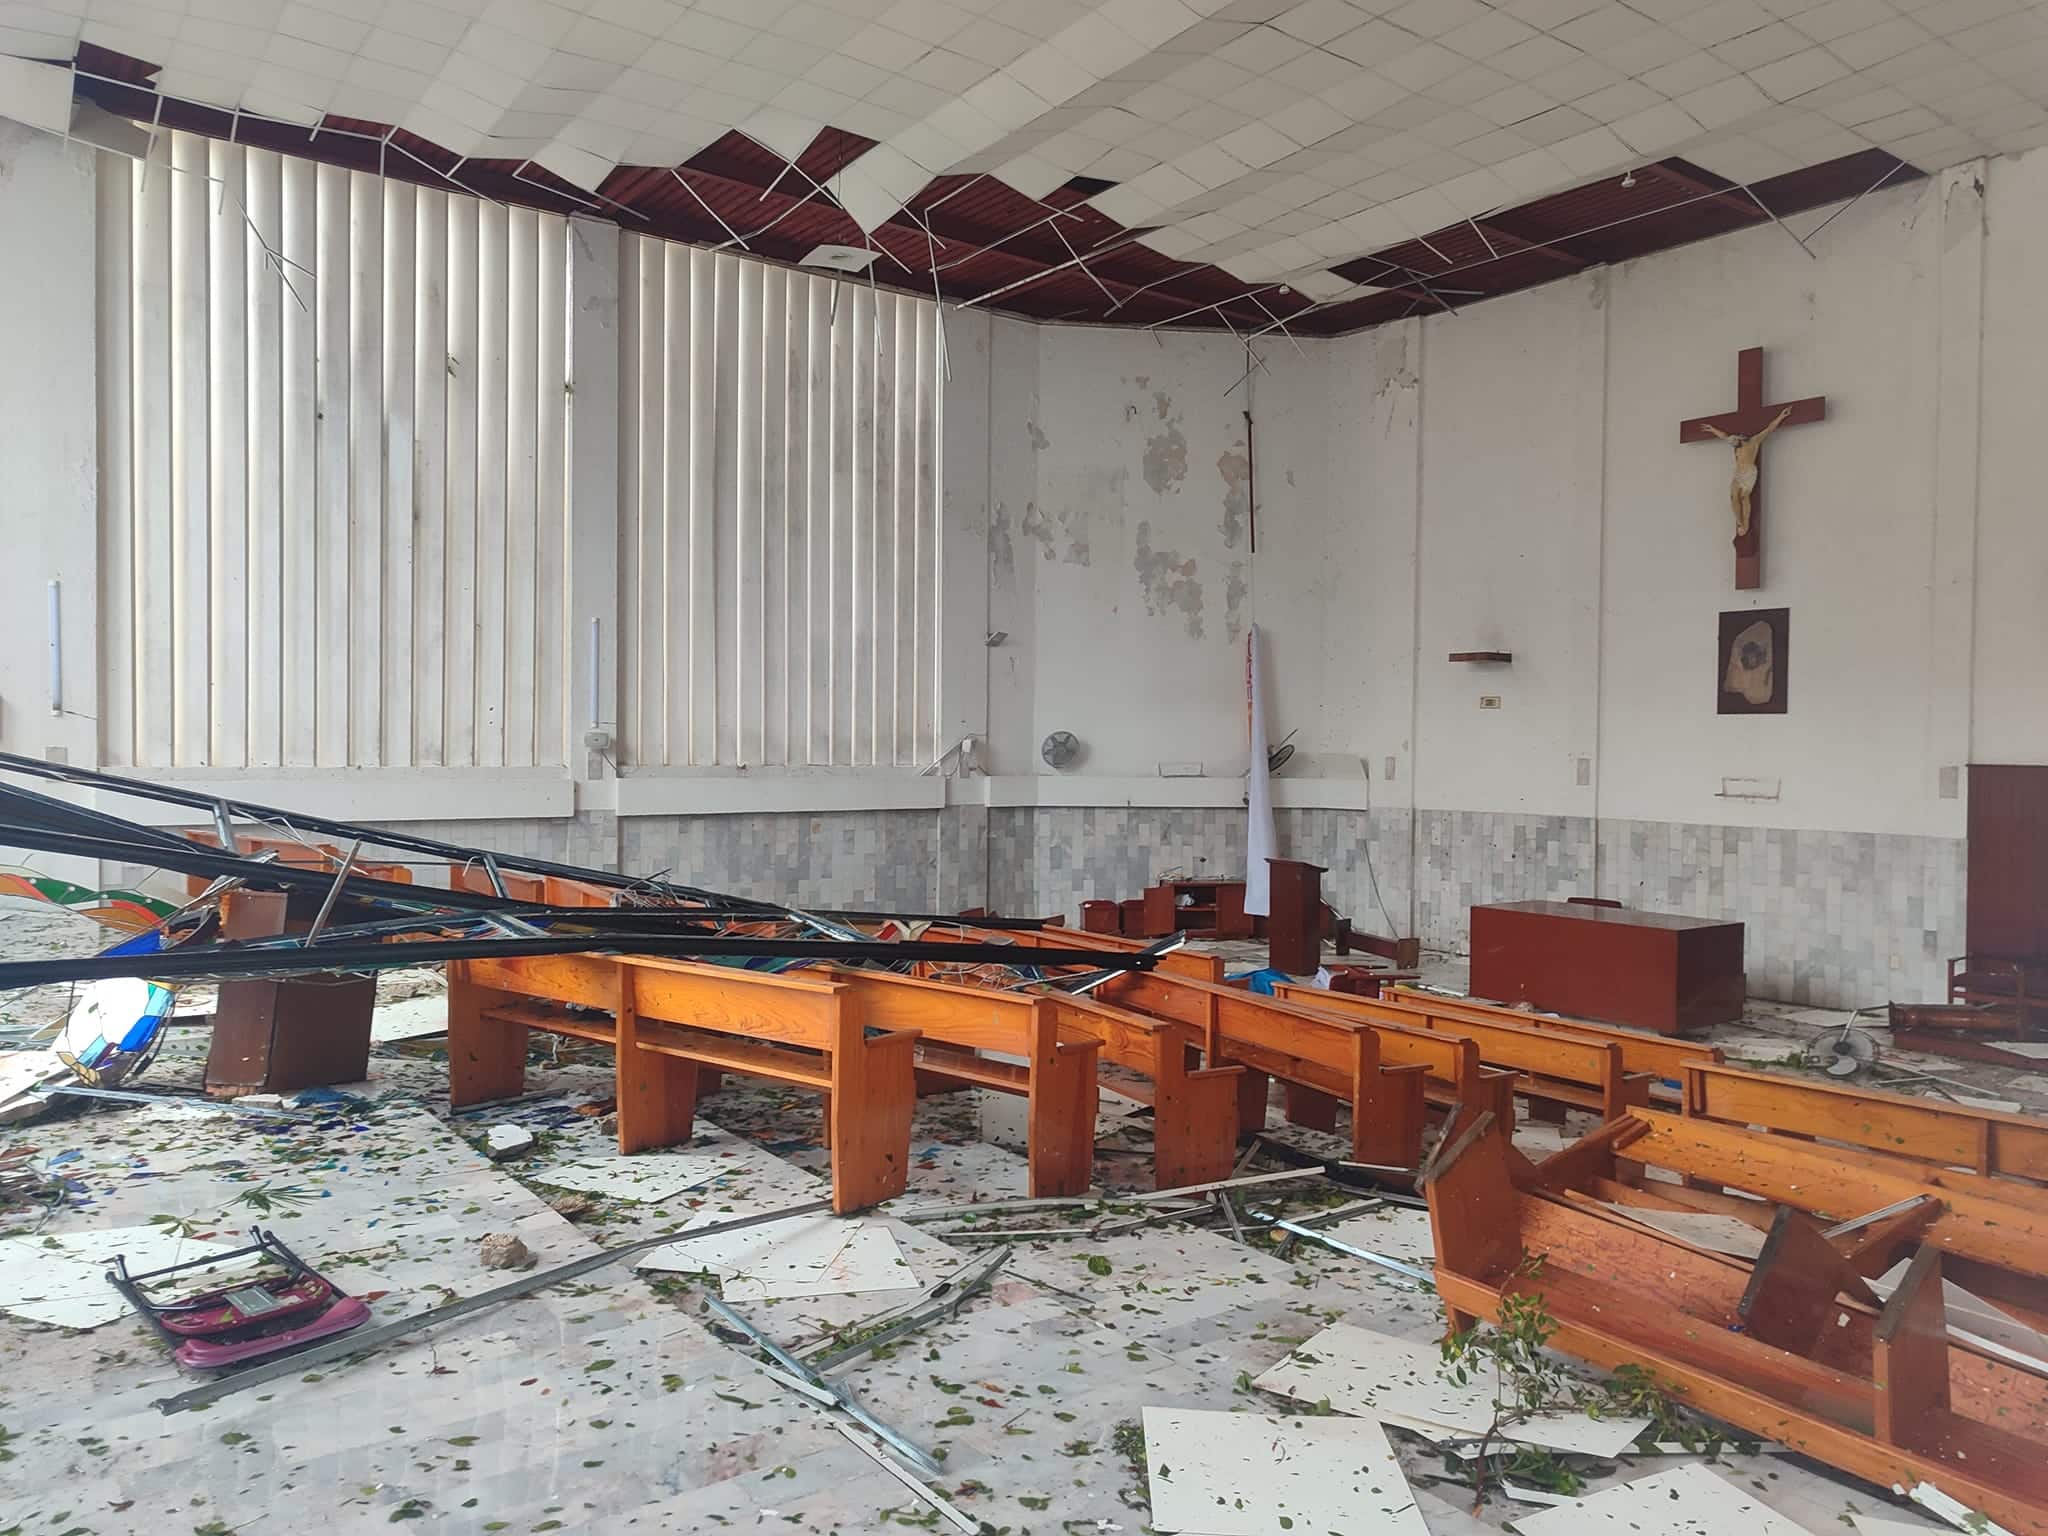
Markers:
point(1501, 658)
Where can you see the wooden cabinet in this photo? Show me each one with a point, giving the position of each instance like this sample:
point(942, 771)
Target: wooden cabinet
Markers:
point(1652, 970)
point(1213, 908)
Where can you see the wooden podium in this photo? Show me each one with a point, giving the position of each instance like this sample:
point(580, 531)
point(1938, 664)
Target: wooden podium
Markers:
point(1294, 927)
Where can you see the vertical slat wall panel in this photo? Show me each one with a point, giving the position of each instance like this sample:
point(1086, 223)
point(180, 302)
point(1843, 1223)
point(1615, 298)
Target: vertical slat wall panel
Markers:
point(151, 415)
point(401, 301)
point(300, 685)
point(522, 267)
point(115, 362)
point(264, 184)
point(332, 418)
point(429, 472)
point(778, 451)
point(227, 452)
point(557, 710)
point(191, 504)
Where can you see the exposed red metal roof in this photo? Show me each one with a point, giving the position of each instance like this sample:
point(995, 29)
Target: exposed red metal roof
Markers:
point(982, 242)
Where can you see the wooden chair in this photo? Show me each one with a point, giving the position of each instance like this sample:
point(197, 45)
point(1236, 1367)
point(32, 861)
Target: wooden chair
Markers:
point(1790, 1348)
point(1990, 1143)
point(670, 1021)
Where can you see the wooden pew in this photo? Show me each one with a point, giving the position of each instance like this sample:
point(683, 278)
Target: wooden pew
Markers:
point(1179, 962)
point(1664, 1057)
point(1054, 1069)
point(1992, 1246)
point(1195, 1109)
point(1324, 1059)
point(299, 855)
point(1992, 1144)
point(1887, 1395)
point(669, 1021)
point(1552, 1067)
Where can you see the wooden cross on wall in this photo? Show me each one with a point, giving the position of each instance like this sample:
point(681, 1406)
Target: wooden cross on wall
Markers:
point(1744, 429)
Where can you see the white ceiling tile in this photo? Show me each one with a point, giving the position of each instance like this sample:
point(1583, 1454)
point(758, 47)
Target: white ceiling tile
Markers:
point(322, 26)
point(1786, 78)
point(1484, 36)
point(1097, 45)
point(1330, 240)
point(1261, 49)
point(1533, 174)
point(1257, 144)
point(1050, 74)
point(1766, 45)
point(1604, 27)
point(1151, 22)
point(1545, 14)
point(1173, 243)
point(1260, 97)
point(1478, 191)
point(1592, 152)
point(1517, 103)
point(1422, 67)
point(1580, 78)
point(944, 70)
point(1158, 102)
point(1553, 126)
point(1656, 132)
point(1317, 21)
point(1727, 101)
point(1313, 71)
point(885, 48)
point(1616, 101)
point(1377, 227)
point(1689, 73)
point(1373, 43)
point(1433, 18)
point(1309, 121)
point(1644, 52)
point(1534, 56)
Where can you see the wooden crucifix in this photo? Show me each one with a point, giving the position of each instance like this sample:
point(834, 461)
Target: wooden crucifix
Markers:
point(1744, 429)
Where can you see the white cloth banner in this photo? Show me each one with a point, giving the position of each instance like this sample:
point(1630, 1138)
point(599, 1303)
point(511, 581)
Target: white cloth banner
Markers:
point(1259, 837)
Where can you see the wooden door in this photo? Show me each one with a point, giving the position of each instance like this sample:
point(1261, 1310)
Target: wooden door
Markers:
point(2007, 889)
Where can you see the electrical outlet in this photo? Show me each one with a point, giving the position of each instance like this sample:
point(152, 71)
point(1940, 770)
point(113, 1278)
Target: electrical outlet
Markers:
point(597, 739)
point(1489, 701)
point(1585, 772)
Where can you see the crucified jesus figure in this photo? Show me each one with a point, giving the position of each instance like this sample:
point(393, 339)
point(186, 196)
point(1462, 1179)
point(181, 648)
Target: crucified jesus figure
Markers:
point(1743, 486)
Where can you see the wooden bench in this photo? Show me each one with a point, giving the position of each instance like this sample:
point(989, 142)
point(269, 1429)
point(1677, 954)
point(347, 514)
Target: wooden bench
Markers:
point(671, 1020)
point(1552, 1068)
point(1662, 1056)
point(1178, 962)
point(1787, 1351)
point(1052, 1066)
point(548, 890)
point(1991, 1245)
point(1987, 1142)
point(1195, 1108)
point(296, 854)
point(1325, 1059)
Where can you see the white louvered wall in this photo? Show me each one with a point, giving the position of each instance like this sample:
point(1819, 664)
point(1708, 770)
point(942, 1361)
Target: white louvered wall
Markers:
point(332, 486)
point(334, 514)
point(778, 442)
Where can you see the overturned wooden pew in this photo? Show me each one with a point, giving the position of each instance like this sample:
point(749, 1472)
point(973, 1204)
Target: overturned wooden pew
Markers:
point(1987, 1142)
point(1793, 1347)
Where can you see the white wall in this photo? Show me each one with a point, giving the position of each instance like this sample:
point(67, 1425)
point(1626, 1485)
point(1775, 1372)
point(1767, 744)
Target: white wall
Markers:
point(47, 427)
point(1510, 477)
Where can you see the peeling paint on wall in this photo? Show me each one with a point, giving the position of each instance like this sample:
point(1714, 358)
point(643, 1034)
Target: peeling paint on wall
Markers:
point(1167, 582)
point(1039, 441)
point(1002, 554)
point(1166, 453)
point(1235, 466)
point(1235, 590)
point(1064, 534)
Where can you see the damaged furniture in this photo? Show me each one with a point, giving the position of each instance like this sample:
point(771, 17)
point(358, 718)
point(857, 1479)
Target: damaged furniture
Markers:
point(1994, 1144)
point(671, 1020)
point(1794, 1347)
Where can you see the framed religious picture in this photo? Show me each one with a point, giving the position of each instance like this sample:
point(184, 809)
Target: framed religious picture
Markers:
point(1749, 667)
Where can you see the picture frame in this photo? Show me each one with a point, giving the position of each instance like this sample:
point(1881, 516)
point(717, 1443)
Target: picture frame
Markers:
point(1750, 676)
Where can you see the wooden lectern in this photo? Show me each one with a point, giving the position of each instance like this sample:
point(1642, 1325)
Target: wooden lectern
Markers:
point(1294, 927)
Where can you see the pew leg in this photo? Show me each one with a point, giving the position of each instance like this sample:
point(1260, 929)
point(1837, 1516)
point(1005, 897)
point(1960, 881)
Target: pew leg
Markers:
point(486, 1058)
point(1311, 1108)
